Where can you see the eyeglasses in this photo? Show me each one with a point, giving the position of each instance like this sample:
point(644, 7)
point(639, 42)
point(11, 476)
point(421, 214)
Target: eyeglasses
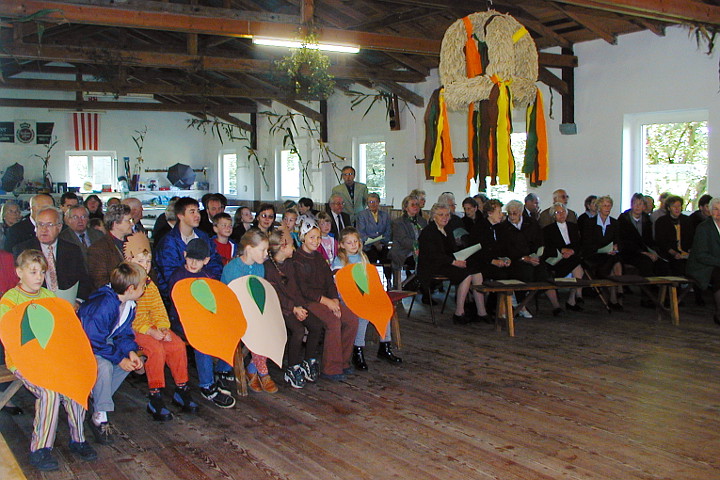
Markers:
point(337, 203)
point(372, 202)
point(43, 226)
point(79, 217)
point(348, 174)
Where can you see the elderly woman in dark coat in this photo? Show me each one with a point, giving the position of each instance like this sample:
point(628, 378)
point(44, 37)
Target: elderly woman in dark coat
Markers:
point(562, 238)
point(436, 258)
point(704, 262)
point(405, 232)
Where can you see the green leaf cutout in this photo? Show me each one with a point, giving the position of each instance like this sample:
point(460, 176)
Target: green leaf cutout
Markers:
point(257, 292)
point(37, 323)
point(359, 274)
point(201, 292)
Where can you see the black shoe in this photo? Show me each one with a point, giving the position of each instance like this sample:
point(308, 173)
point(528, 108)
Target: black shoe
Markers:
point(184, 400)
point(460, 320)
point(83, 450)
point(616, 306)
point(225, 380)
point(102, 432)
point(486, 319)
point(579, 301)
point(218, 396)
point(557, 312)
point(44, 460)
point(358, 358)
point(156, 407)
point(12, 410)
point(573, 308)
point(385, 353)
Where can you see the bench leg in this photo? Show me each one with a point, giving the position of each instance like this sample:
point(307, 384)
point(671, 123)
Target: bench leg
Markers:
point(395, 328)
point(240, 376)
point(510, 315)
point(9, 392)
point(674, 311)
point(428, 292)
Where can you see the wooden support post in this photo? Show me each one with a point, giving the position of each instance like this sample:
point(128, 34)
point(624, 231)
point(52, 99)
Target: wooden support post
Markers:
point(674, 312)
point(253, 131)
point(323, 121)
point(568, 99)
point(307, 11)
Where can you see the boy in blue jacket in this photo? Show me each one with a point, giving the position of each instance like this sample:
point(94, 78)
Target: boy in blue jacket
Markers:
point(107, 319)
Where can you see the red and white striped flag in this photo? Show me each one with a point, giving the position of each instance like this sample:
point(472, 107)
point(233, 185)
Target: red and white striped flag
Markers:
point(87, 130)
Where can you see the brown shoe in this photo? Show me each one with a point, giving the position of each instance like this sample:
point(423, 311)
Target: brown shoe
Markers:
point(267, 384)
point(254, 382)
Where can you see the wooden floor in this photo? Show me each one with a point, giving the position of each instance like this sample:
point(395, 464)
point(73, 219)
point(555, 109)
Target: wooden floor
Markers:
point(587, 396)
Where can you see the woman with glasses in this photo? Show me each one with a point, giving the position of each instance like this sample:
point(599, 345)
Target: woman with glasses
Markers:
point(265, 218)
point(280, 272)
point(9, 216)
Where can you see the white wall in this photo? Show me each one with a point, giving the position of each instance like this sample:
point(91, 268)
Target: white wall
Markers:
point(643, 73)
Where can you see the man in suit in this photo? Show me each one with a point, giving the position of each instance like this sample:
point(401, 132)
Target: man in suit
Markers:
point(136, 211)
point(107, 252)
point(65, 260)
point(355, 194)
point(340, 219)
point(25, 229)
point(546, 217)
point(76, 219)
point(532, 206)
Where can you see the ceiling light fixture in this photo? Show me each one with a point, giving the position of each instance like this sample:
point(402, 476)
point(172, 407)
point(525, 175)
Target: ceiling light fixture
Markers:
point(272, 42)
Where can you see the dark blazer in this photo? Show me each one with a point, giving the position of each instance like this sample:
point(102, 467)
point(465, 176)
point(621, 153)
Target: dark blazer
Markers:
point(436, 256)
point(103, 256)
point(666, 238)
point(21, 232)
point(92, 235)
point(593, 237)
point(630, 241)
point(530, 236)
point(705, 253)
point(335, 230)
point(69, 265)
point(554, 241)
point(403, 238)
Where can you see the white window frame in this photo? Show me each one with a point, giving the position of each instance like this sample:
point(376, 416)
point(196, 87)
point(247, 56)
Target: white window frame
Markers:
point(303, 149)
point(221, 171)
point(361, 167)
point(632, 162)
point(91, 154)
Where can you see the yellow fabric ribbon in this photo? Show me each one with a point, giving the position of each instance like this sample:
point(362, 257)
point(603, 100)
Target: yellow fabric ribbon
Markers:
point(519, 34)
point(436, 166)
point(505, 160)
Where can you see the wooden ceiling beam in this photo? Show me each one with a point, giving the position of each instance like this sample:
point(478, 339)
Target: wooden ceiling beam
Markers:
point(656, 27)
point(145, 88)
point(410, 62)
point(183, 61)
point(553, 81)
point(587, 22)
point(206, 20)
point(674, 11)
point(133, 106)
point(404, 93)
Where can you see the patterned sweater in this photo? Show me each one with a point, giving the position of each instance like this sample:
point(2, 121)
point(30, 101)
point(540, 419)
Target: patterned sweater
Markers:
point(150, 311)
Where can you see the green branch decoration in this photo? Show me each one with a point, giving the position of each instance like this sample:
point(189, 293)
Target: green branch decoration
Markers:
point(221, 129)
point(304, 73)
point(705, 38)
point(139, 143)
point(379, 97)
point(46, 159)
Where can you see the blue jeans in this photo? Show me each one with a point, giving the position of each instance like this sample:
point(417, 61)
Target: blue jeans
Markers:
point(362, 328)
point(109, 378)
point(204, 363)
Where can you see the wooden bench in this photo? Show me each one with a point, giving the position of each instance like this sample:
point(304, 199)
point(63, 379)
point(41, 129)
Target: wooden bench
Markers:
point(505, 290)
point(15, 384)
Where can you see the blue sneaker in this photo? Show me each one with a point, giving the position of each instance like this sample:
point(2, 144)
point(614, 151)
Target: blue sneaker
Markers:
point(156, 408)
point(44, 460)
point(83, 450)
point(294, 376)
point(310, 369)
point(349, 371)
point(184, 400)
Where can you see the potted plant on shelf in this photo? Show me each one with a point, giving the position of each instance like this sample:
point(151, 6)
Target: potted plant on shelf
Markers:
point(47, 178)
point(139, 143)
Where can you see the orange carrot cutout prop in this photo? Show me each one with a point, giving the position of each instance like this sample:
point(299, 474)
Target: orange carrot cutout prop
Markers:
point(360, 287)
point(266, 333)
point(49, 347)
point(211, 316)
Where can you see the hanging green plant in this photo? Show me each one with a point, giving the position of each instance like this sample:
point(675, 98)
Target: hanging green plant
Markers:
point(304, 73)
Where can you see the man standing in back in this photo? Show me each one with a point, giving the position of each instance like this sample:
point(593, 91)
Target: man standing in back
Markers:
point(353, 193)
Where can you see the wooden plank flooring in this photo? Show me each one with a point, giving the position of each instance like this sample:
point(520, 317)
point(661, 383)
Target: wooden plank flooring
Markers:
point(585, 396)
